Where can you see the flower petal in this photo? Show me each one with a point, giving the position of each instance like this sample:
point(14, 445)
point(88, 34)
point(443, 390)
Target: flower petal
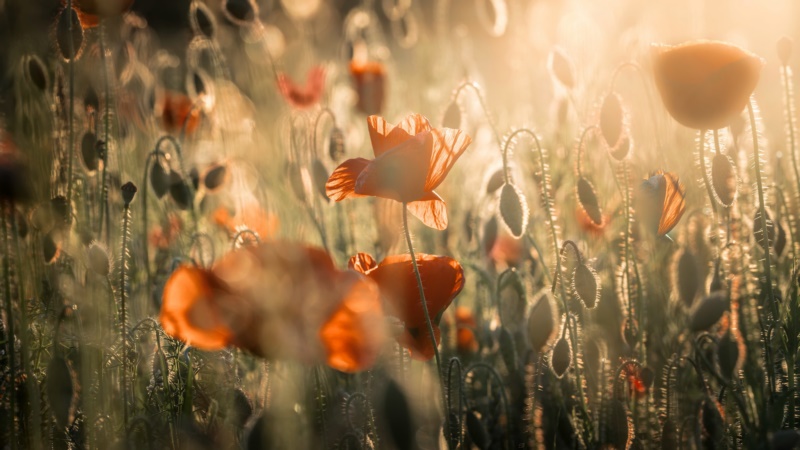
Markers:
point(354, 334)
point(431, 210)
point(385, 136)
point(674, 204)
point(342, 182)
point(418, 342)
point(399, 174)
point(362, 263)
point(189, 311)
point(448, 145)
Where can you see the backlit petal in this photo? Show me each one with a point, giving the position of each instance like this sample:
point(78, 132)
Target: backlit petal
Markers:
point(418, 342)
point(342, 182)
point(448, 146)
point(431, 210)
point(385, 136)
point(398, 174)
point(362, 263)
point(674, 204)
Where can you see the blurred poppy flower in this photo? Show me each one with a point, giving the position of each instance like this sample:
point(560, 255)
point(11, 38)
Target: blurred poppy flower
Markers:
point(91, 11)
point(661, 202)
point(705, 84)
point(465, 336)
point(178, 112)
point(411, 160)
point(303, 96)
point(162, 236)
point(443, 279)
point(507, 251)
point(250, 216)
point(312, 311)
point(15, 182)
point(369, 80)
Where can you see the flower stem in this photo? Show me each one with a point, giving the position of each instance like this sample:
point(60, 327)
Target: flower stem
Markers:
point(126, 218)
point(789, 108)
point(701, 147)
point(10, 326)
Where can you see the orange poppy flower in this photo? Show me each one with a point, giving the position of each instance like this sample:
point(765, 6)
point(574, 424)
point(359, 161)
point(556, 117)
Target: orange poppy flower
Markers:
point(411, 160)
point(443, 279)
point(303, 96)
point(465, 336)
point(369, 78)
point(90, 11)
point(312, 311)
point(251, 216)
point(662, 202)
point(507, 251)
point(178, 111)
point(705, 84)
point(162, 236)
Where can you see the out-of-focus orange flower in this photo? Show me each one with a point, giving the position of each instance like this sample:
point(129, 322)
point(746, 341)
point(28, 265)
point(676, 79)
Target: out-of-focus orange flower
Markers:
point(465, 336)
point(250, 216)
point(661, 202)
point(411, 160)
point(705, 84)
point(442, 280)
point(91, 11)
point(277, 300)
point(369, 79)
point(178, 112)
point(507, 251)
point(162, 236)
point(303, 96)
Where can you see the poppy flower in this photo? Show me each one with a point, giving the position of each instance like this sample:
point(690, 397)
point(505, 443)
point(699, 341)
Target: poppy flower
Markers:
point(178, 112)
point(705, 84)
point(411, 160)
point(465, 336)
point(162, 236)
point(662, 202)
point(91, 11)
point(303, 96)
point(507, 251)
point(250, 216)
point(369, 80)
point(442, 280)
point(277, 300)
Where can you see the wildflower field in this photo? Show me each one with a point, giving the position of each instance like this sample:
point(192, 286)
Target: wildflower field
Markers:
point(399, 224)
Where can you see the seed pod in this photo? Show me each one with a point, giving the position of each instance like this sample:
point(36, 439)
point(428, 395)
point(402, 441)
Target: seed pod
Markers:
point(397, 416)
point(215, 176)
point(180, 192)
point(730, 354)
point(160, 178)
point(336, 144)
point(90, 100)
point(708, 311)
point(477, 431)
point(88, 152)
point(585, 283)
point(452, 116)
point(618, 425)
point(36, 73)
point(194, 176)
point(240, 12)
point(686, 277)
point(612, 120)
point(128, 192)
point(495, 182)
point(562, 69)
point(202, 20)
point(320, 176)
point(489, 236)
point(98, 259)
point(587, 199)
point(723, 180)
point(61, 391)
point(623, 148)
point(784, 47)
point(513, 210)
point(780, 240)
point(561, 357)
point(758, 231)
point(542, 323)
point(69, 51)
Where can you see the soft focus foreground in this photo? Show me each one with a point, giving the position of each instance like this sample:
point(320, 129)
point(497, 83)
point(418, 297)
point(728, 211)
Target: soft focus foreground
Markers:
point(399, 224)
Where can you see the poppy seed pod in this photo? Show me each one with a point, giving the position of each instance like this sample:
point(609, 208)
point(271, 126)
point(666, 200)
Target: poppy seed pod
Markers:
point(586, 284)
point(613, 122)
point(562, 68)
point(452, 116)
point(723, 180)
point(661, 202)
point(708, 311)
point(69, 50)
point(36, 73)
point(336, 144)
point(160, 177)
point(240, 12)
point(88, 151)
point(686, 280)
point(542, 323)
point(215, 177)
point(128, 192)
point(201, 20)
point(561, 357)
point(514, 210)
point(705, 84)
point(98, 259)
point(587, 200)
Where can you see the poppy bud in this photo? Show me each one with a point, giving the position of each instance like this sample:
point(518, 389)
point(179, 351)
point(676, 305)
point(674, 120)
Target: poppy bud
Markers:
point(562, 68)
point(730, 354)
point(201, 20)
point(240, 12)
point(784, 47)
point(160, 177)
point(514, 210)
point(88, 151)
point(723, 180)
point(541, 323)
point(561, 357)
point(495, 182)
point(780, 241)
point(686, 277)
point(708, 311)
point(587, 199)
point(336, 144)
point(215, 176)
point(180, 191)
point(585, 283)
point(452, 116)
point(713, 423)
point(36, 73)
point(618, 425)
point(98, 259)
point(477, 431)
point(128, 192)
point(69, 50)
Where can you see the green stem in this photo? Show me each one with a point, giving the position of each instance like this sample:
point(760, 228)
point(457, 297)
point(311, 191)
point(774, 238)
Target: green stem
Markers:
point(71, 118)
point(123, 313)
point(702, 149)
point(106, 125)
point(10, 324)
point(790, 124)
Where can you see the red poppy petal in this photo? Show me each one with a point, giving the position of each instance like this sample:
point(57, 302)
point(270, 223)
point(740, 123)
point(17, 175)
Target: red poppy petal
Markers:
point(385, 136)
point(448, 145)
point(362, 263)
point(189, 312)
point(398, 174)
point(418, 342)
point(674, 204)
point(342, 182)
point(431, 210)
point(354, 335)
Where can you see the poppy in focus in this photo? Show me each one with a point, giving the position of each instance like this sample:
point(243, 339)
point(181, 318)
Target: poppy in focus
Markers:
point(442, 278)
point(306, 95)
point(411, 160)
point(277, 300)
point(705, 84)
point(661, 202)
